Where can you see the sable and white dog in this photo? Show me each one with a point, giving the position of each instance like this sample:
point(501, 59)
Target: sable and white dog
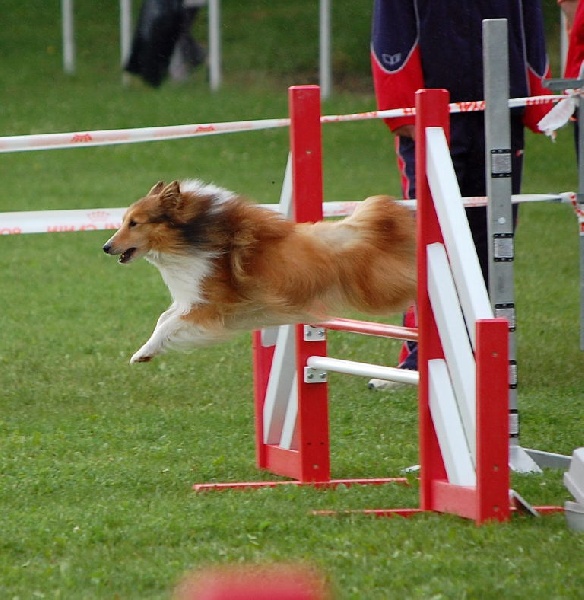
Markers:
point(233, 266)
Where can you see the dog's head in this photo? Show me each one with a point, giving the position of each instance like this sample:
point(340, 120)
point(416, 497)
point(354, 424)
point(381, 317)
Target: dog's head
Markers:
point(158, 222)
point(144, 223)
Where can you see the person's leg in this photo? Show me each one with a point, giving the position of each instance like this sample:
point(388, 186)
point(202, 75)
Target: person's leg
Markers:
point(155, 37)
point(406, 153)
point(188, 53)
point(192, 51)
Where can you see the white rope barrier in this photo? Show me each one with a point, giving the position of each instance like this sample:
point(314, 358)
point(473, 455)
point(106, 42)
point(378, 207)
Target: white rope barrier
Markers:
point(94, 219)
point(53, 141)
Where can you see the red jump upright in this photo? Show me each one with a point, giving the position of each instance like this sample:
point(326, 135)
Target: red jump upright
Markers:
point(291, 400)
point(489, 499)
point(310, 460)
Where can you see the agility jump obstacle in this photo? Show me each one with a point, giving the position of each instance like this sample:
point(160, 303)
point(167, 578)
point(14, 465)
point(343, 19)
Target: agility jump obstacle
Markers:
point(465, 373)
point(463, 377)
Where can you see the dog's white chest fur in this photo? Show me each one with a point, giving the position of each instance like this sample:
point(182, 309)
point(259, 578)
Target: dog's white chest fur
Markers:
point(183, 276)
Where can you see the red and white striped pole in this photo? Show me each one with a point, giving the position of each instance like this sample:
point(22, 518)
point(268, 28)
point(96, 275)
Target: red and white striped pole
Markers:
point(310, 462)
point(307, 194)
point(489, 500)
point(431, 111)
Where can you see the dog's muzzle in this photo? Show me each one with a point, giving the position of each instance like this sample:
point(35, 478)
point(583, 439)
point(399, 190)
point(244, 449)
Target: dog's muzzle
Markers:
point(125, 256)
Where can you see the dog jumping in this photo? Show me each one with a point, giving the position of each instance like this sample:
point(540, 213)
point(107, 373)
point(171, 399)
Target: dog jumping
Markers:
point(233, 266)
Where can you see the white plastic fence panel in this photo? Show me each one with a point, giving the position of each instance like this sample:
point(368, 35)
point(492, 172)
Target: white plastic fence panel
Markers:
point(285, 205)
point(280, 385)
point(454, 338)
point(289, 438)
point(448, 426)
point(461, 250)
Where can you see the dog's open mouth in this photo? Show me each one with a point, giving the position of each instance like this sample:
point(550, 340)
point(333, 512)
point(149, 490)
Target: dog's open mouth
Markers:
point(127, 255)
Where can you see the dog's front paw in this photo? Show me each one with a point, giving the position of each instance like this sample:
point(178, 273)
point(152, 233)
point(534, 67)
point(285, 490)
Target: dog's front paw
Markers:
point(139, 357)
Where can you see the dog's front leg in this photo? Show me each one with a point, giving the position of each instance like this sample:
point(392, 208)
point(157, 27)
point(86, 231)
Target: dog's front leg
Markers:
point(177, 330)
point(168, 326)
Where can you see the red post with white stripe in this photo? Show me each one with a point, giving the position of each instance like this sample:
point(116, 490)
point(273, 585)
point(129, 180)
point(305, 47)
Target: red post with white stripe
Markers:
point(431, 111)
point(310, 462)
point(307, 190)
point(307, 459)
point(489, 498)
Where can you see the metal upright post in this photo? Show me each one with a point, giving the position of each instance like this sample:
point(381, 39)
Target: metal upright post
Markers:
point(499, 212)
point(125, 36)
point(325, 49)
point(68, 31)
point(215, 44)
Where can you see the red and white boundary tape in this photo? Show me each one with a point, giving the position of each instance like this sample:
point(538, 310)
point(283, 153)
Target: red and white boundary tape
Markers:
point(53, 141)
point(94, 219)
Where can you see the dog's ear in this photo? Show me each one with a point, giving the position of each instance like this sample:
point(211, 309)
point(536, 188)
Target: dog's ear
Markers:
point(170, 197)
point(156, 189)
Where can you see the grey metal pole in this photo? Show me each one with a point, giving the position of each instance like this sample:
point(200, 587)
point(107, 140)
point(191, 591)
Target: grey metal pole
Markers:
point(499, 212)
point(325, 49)
point(125, 36)
point(215, 75)
point(68, 31)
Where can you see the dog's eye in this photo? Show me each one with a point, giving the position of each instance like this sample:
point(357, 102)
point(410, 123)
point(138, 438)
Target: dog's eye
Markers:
point(132, 223)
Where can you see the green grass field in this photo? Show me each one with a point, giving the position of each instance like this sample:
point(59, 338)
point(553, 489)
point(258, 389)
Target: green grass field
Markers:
point(97, 458)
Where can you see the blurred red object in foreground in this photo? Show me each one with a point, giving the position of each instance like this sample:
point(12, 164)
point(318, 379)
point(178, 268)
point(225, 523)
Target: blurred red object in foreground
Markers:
point(278, 582)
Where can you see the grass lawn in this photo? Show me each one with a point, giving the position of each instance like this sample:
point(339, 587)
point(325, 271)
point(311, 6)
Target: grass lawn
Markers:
point(97, 458)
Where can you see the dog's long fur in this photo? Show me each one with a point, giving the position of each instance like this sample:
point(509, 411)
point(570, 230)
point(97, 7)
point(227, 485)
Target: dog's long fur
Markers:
point(233, 266)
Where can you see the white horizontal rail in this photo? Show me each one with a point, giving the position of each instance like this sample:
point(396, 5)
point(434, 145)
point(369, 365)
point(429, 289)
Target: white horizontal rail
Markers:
point(57, 221)
point(52, 141)
point(349, 367)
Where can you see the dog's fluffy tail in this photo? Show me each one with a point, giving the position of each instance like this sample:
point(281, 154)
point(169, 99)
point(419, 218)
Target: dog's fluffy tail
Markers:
point(382, 262)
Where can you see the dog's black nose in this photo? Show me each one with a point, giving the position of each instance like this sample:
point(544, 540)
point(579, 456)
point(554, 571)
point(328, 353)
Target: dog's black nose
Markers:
point(107, 247)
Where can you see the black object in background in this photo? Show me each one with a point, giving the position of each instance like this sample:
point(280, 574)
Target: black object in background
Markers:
point(157, 31)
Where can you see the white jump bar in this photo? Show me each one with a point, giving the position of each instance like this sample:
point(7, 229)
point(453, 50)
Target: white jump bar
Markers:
point(325, 363)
